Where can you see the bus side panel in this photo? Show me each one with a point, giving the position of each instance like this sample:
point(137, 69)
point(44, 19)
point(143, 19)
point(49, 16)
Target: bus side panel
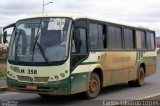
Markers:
point(101, 59)
point(79, 77)
point(150, 62)
point(122, 66)
point(117, 66)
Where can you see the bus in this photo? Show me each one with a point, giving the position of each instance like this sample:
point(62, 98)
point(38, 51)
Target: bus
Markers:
point(64, 54)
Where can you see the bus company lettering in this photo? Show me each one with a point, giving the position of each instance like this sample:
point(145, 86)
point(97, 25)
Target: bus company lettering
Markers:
point(121, 59)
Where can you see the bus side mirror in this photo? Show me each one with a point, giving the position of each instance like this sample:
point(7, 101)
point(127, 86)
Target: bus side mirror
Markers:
point(5, 32)
point(5, 37)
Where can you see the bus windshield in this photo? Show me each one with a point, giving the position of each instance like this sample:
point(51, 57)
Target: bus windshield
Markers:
point(40, 40)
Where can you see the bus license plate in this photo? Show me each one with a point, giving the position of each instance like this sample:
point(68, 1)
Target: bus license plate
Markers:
point(31, 87)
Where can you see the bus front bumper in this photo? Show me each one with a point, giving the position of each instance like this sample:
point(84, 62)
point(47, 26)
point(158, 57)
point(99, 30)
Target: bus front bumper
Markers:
point(61, 87)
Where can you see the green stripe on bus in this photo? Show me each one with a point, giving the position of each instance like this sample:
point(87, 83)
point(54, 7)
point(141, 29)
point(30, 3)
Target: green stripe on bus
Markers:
point(136, 56)
point(139, 55)
point(87, 63)
point(142, 54)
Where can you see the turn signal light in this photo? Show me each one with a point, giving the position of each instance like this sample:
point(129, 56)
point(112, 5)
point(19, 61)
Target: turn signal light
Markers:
point(62, 75)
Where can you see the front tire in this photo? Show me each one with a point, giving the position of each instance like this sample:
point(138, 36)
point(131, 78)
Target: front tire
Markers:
point(94, 86)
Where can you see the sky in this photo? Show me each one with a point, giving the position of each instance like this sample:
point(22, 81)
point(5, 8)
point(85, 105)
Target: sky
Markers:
point(144, 13)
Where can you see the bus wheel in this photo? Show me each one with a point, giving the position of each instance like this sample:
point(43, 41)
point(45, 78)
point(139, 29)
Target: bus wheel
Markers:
point(93, 87)
point(141, 75)
point(140, 81)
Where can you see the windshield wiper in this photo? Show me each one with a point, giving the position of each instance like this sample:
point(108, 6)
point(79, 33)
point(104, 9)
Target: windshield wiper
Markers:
point(39, 46)
point(37, 36)
point(43, 53)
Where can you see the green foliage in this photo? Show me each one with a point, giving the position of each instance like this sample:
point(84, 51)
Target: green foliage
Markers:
point(3, 71)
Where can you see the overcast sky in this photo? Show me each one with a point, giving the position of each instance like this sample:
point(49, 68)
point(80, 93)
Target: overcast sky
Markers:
point(139, 12)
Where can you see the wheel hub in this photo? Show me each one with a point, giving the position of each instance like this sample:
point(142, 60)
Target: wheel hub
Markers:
point(93, 85)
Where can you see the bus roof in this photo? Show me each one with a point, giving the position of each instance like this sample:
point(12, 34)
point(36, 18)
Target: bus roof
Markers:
point(79, 16)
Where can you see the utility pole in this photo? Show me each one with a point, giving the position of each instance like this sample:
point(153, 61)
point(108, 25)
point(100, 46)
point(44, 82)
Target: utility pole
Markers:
point(44, 4)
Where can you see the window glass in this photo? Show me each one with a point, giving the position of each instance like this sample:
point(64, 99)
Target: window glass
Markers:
point(118, 36)
point(111, 38)
point(128, 39)
point(115, 38)
point(93, 34)
point(79, 42)
point(96, 36)
point(48, 36)
point(150, 41)
point(138, 39)
point(79, 46)
point(100, 36)
point(143, 40)
point(83, 48)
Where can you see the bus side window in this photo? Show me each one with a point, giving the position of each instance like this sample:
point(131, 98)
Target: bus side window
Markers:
point(76, 42)
point(141, 40)
point(79, 46)
point(93, 35)
point(83, 46)
point(97, 34)
point(129, 39)
point(73, 46)
point(150, 41)
point(79, 41)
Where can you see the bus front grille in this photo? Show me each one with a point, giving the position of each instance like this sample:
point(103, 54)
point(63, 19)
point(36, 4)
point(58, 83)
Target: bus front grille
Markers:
point(32, 79)
point(24, 78)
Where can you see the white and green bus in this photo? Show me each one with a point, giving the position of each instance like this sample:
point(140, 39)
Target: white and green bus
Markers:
point(63, 54)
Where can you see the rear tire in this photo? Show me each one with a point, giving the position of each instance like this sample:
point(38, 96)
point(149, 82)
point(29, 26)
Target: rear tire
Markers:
point(94, 86)
point(140, 81)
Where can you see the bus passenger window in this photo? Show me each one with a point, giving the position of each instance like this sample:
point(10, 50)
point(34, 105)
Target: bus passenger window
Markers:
point(114, 37)
point(128, 39)
point(93, 34)
point(97, 36)
point(150, 41)
point(101, 36)
point(140, 38)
